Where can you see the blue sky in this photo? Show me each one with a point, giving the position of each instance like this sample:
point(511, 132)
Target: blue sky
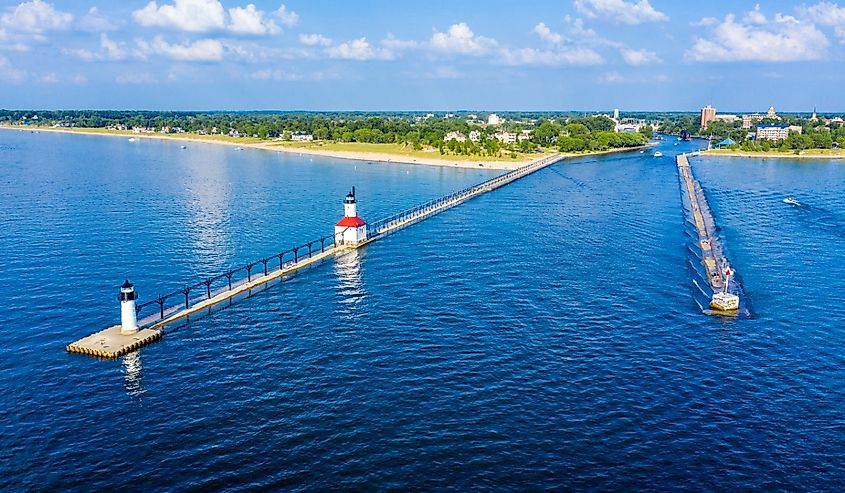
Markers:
point(444, 55)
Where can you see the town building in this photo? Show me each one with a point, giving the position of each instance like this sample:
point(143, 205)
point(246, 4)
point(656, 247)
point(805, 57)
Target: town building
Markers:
point(475, 136)
point(708, 114)
point(455, 136)
point(301, 137)
point(506, 137)
point(776, 131)
point(494, 119)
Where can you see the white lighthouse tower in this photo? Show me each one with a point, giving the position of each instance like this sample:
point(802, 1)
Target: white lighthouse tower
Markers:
point(351, 231)
point(128, 317)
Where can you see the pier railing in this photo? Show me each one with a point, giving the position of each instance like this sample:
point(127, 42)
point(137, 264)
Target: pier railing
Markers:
point(163, 306)
point(422, 211)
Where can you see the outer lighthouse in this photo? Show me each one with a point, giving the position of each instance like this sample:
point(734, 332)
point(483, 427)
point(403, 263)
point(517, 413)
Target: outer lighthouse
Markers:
point(351, 230)
point(128, 317)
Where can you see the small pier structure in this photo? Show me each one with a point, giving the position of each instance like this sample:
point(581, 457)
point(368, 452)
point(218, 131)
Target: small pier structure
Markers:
point(142, 323)
point(718, 270)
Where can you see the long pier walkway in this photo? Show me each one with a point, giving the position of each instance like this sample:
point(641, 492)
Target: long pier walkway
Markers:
point(176, 307)
point(713, 258)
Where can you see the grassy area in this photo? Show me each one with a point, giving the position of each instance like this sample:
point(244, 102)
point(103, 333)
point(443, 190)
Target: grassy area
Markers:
point(404, 150)
point(777, 152)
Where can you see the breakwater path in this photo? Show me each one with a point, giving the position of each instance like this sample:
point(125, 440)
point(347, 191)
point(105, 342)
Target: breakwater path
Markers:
point(156, 315)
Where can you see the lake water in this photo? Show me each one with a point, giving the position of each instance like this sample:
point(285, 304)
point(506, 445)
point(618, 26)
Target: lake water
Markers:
point(543, 336)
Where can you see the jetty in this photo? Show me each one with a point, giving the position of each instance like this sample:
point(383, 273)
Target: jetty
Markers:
point(716, 266)
point(146, 322)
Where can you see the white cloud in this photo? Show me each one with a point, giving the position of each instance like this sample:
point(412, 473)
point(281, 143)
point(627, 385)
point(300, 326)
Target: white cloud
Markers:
point(612, 78)
point(620, 11)
point(826, 14)
point(94, 21)
point(50, 78)
point(782, 39)
point(8, 73)
point(567, 56)
point(359, 49)
point(391, 42)
point(755, 16)
point(547, 34)
point(185, 15)
point(287, 17)
point(249, 20)
point(201, 16)
point(639, 57)
point(314, 40)
point(203, 50)
point(109, 50)
point(460, 39)
point(35, 17)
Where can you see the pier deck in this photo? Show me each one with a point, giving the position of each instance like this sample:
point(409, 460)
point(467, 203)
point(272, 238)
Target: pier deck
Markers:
point(110, 343)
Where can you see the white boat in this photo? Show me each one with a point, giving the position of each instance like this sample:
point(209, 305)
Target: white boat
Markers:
point(184, 147)
point(725, 302)
point(791, 201)
point(658, 154)
point(131, 139)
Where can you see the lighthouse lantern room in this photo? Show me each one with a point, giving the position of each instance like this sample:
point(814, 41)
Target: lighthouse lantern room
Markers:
point(351, 231)
point(128, 316)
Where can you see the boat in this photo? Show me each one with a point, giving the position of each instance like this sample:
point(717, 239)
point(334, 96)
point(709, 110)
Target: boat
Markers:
point(184, 147)
point(724, 301)
point(131, 139)
point(685, 136)
point(791, 201)
point(658, 154)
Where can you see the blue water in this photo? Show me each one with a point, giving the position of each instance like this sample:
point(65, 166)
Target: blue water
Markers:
point(543, 336)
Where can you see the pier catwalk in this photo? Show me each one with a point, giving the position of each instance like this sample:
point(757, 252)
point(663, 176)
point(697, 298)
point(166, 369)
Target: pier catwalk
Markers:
point(716, 266)
point(146, 322)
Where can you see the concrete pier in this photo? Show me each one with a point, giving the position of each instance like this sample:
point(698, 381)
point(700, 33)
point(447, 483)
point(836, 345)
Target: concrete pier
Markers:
point(111, 343)
point(712, 257)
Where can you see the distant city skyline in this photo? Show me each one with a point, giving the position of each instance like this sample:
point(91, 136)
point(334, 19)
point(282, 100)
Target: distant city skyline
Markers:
point(580, 55)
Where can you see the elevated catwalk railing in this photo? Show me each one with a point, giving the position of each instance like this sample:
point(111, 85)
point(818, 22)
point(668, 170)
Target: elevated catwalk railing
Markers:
point(166, 309)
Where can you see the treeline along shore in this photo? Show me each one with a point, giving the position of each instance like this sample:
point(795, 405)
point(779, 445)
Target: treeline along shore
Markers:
point(423, 138)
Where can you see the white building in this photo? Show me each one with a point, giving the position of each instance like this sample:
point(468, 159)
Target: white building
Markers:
point(506, 137)
point(475, 136)
point(776, 132)
point(455, 136)
point(493, 119)
point(524, 135)
point(301, 137)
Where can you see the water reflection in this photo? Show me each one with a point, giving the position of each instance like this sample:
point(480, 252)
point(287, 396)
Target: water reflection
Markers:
point(350, 285)
point(132, 373)
point(208, 202)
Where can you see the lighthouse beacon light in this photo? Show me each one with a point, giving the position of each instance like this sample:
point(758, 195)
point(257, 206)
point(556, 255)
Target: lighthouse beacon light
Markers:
point(351, 230)
point(128, 316)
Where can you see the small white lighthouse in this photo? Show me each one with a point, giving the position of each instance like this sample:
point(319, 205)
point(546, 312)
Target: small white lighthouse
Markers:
point(128, 317)
point(350, 231)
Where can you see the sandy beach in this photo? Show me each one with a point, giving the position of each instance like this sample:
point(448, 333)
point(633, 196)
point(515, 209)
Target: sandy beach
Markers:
point(339, 154)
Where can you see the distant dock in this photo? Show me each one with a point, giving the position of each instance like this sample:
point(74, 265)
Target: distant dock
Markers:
point(716, 265)
point(176, 307)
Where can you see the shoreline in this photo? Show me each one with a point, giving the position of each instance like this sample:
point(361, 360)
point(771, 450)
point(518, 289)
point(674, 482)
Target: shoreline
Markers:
point(379, 157)
point(770, 155)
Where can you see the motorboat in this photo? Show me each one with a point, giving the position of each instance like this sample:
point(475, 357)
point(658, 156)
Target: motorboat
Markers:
point(131, 139)
point(791, 201)
point(658, 154)
point(184, 147)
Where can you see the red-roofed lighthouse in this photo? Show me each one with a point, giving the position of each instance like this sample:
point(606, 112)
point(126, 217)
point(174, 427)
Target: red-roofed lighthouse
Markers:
point(351, 230)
